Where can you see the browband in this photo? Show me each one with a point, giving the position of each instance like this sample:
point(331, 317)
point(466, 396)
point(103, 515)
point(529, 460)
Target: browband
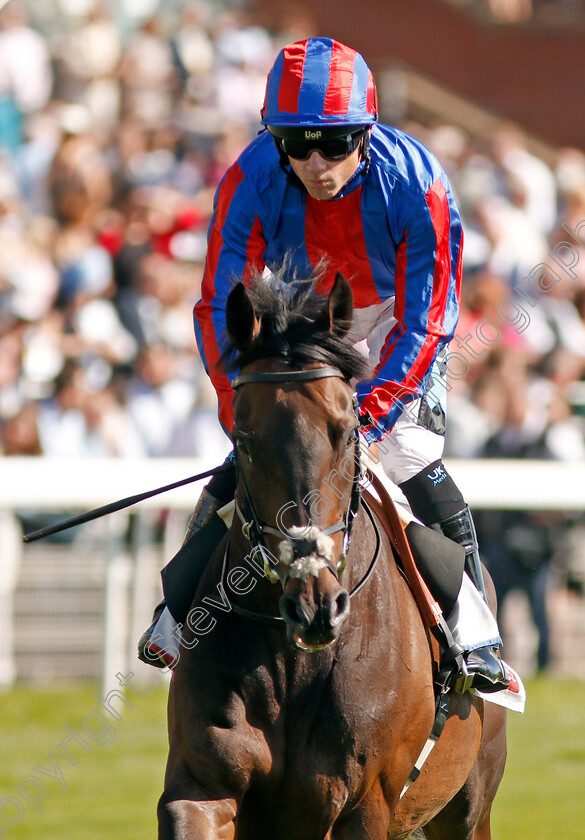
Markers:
point(287, 376)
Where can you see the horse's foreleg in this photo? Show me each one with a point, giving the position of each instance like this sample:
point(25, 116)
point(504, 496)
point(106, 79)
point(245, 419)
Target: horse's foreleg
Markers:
point(483, 829)
point(196, 819)
point(369, 819)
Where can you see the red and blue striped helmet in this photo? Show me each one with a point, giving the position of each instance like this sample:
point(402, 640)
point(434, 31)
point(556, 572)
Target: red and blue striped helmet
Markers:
point(319, 81)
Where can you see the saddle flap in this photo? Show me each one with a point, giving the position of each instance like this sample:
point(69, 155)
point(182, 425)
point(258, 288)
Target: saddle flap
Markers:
point(181, 575)
point(440, 562)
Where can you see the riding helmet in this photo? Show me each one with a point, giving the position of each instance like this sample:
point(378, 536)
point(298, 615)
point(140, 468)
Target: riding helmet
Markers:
point(319, 82)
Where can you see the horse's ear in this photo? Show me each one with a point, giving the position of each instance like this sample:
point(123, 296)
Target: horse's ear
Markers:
point(241, 321)
point(339, 306)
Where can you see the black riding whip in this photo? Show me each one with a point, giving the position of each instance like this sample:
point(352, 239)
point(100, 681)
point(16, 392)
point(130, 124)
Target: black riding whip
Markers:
point(113, 507)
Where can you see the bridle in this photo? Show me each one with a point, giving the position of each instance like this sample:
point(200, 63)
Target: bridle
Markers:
point(254, 529)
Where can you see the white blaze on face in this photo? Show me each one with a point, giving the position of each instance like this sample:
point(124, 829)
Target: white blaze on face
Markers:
point(311, 565)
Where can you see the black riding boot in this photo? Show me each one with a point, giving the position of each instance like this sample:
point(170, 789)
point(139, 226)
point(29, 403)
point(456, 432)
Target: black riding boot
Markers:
point(202, 513)
point(433, 496)
point(159, 645)
point(151, 647)
point(484, 665)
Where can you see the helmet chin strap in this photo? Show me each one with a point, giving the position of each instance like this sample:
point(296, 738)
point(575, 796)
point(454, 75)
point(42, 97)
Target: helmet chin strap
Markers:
point(364, 158)
point(365, 150)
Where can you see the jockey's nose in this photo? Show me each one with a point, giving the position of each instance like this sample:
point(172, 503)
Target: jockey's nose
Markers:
point(315, 162)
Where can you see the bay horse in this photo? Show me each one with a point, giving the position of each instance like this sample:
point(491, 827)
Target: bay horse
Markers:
point(304, 692)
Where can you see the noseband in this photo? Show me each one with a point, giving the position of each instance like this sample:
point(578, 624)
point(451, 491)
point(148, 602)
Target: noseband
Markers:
point(252, 526)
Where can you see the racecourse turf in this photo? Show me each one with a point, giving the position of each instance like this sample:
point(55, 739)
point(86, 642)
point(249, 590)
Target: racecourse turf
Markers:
point(106, 782)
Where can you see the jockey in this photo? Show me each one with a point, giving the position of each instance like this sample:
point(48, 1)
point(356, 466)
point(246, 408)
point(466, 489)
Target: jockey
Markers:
point(326, 180)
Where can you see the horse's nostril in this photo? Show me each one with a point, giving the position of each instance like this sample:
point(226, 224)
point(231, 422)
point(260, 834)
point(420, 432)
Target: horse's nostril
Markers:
point(339, 607)
point(292, 611)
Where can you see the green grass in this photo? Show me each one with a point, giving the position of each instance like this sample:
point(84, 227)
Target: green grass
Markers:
point(112, 790)
point(542, 796)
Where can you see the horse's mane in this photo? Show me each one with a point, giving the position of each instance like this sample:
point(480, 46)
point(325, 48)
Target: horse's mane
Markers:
point(292, 327)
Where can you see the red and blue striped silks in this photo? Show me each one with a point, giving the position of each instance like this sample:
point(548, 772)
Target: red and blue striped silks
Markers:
point(394, 231)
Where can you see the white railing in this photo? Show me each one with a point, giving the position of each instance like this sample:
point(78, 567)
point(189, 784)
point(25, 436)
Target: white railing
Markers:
point(42, 484)
point(46, 484)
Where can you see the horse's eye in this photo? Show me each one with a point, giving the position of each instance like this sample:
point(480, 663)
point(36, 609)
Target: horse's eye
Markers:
point(352, 438)
point(243, 449)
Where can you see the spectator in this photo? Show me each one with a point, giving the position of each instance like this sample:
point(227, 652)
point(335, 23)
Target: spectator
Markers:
point(520, 546)
point(79, 180)
point(26, 76)
point(194, 52)
point(63, 426)
point(20, 434)
point(160, 401)
point(13, 386)
point(530, 183)
point(87, 60)
point(150, 81)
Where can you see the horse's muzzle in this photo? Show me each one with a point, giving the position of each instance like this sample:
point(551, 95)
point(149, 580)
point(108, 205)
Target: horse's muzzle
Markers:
point(313, 626)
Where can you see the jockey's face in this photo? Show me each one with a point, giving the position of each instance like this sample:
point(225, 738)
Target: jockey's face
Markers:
point(324, 178)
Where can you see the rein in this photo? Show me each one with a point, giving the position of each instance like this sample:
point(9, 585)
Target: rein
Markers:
point(121, 504)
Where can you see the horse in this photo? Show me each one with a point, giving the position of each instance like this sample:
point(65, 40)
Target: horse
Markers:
point(304, 692)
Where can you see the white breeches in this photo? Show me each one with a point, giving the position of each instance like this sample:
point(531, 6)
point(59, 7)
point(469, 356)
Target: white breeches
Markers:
point(471, 621)
point(409, 448)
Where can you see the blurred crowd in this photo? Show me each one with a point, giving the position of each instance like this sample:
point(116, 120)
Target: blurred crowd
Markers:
point(517, 12)
point(112, 142)
point(111, 147)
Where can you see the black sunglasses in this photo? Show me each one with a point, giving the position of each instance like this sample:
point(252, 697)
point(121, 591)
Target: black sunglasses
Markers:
point(331, 148)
